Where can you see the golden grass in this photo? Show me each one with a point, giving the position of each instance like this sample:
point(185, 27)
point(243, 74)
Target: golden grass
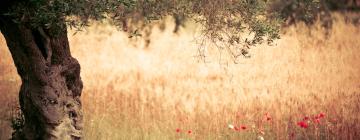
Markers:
point(132, 92)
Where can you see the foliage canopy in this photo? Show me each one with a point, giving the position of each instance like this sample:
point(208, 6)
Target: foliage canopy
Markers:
point(224, 22)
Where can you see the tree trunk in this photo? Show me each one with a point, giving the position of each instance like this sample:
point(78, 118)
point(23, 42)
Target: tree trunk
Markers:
point(51, 85)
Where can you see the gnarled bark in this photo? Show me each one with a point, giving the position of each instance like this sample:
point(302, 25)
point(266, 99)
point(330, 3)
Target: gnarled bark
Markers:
point(51, 84)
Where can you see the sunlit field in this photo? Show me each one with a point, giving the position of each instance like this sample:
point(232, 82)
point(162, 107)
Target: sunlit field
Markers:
point(305, 86)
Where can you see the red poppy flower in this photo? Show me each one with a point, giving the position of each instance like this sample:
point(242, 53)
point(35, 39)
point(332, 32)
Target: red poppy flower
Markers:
point(319, 116)
point(267, 116)
point(189, 132)
point(178, 130)
point(317, 120)
point(243, 127)
point(303, 124)
point(306, 118)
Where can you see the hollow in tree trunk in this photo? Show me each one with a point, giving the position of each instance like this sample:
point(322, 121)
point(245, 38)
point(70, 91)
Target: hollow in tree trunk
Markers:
point(51, 85)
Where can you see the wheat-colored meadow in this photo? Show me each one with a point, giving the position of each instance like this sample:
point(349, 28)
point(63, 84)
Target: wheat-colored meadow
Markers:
point(163, 91)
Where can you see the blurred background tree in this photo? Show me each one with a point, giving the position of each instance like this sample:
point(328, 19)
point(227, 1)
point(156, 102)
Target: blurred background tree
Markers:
point(308, 11)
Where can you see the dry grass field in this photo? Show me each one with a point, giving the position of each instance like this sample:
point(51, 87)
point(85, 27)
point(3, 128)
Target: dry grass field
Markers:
point(305, 86)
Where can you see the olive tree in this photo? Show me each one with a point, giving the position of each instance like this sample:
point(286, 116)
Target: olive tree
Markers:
point(36, 35)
